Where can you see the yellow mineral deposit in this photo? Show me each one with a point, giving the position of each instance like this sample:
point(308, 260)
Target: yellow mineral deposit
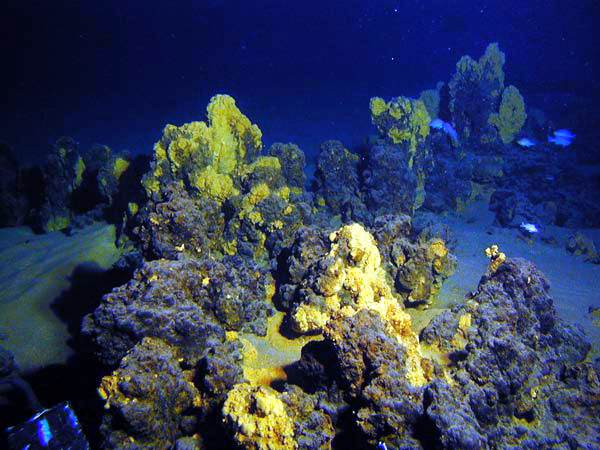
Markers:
point(497, 258)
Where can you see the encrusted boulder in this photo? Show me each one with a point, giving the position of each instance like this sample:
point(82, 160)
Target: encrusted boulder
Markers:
point(189, 303)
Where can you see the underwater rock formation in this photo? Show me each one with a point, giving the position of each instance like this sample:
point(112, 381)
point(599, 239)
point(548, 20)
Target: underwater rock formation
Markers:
point(404, 123)
point(395, 168)
point(219, 165)
point(581, 245)
point(258, 417)
point(337, 184)
point(81, 187)
point(292, 162)
point(544, 188)
point(190, 303)
point(402, 120)
point(431, 99)
point(207, 155)
point(62, 174)
point(262, 418)
point(419, 268)
point(194, 340)
point(349, 277)
point(511, 116)
point(475, 92)
point(448, 185)
point(514, 362)
point(536, 185)
point(14, 205)
point(264, 217)
point(103, 169)
point(389, 185)
point(180, 225)
point(476, 104)
point(147, 398)
point(158, 398)
point(504, 372)
point(373, 375)
point(110, 189)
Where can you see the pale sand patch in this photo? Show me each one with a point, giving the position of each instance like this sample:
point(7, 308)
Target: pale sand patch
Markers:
point(34, 271)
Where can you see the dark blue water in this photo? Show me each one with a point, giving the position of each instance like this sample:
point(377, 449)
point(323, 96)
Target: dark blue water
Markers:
point(116, 72)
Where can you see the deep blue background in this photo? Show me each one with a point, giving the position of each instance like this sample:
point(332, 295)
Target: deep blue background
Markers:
point(115, 72)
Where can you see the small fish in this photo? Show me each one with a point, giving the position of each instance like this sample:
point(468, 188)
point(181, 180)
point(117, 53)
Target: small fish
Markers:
point(526, 142)
point(438, 124)
point(446, 127)
point(562, 142)
point(529, 227)
point(564, 133)
point(43, 432)
point(450, 131)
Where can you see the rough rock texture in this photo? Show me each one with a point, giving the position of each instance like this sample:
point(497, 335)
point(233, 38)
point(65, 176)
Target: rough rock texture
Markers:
point(402, 121)
point(262, 418)
point(180, 225)
point(363, 369)
point(475, 93)
point(582, 245)
point(373, 368)
point(82, 187)
point(157, 399)
point(313, 427)
point(508, 374)
point(188, 303)
point(337, 181)
point(264, 217)
point(309, 244)
point(389, 185)
point(418, 266)
point(516, 366)
point(210, 156)
point(62, 174)
point(292, 162)
point(219, 166)
point(317, 279)
point(13, 201)
point(545, 187)
point(147, 398)
point(347, 279)
point(499, 371)
point(540, 184)
point(448, 184)
point(110, 189)
point(511, 116)
point(100, 180)
point(258, 418)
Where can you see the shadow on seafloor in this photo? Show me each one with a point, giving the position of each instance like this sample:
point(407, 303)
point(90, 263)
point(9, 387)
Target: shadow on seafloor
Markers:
point(77, 380)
